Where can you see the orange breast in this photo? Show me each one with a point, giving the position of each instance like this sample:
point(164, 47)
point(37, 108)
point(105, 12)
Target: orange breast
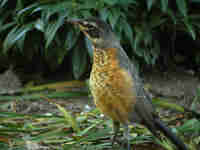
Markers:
point(113, 89)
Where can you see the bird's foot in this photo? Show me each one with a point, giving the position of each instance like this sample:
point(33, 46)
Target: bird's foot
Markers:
point(116, 140)
point(127, 138)
point(122, 142)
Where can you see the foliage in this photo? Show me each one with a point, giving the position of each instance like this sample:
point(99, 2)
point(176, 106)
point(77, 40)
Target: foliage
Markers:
point(42, 25)
point(86, 130)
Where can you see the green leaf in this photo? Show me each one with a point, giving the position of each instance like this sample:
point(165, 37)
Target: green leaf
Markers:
point(86, 130)
point(79, 61)
point(138, 39)
point(119, 2)
point(69, 118)
point(52, 29)
point(39, 24)
point(16, 34)
point(54, 7)
point(56, 51)
point(57, 132)
point(150, 3)
point(148, 38)
point(197, 24)
point(104, 14)
point(157, 21)
point(128, 31)
point(2, 3)
point(6, 26)
point(182, 7)
point(20, 43)
point(19, 5)
point(190, 29)
point(111, 2)
point(27, 10)
point(88, 4)
point(192, 125)
point(172, 15)
point(113, 16)
point(86, 14)
point(164, 5)
point(127, 2)
point(72, 37)
point(5, 17)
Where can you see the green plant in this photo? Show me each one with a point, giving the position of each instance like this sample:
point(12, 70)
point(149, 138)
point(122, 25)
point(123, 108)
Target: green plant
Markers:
point(42, 23)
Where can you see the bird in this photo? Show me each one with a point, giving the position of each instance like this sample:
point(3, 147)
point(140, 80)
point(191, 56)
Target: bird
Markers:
point(115, 84)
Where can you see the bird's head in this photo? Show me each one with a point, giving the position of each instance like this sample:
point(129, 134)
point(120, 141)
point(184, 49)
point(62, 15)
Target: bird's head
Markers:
point(98, 31)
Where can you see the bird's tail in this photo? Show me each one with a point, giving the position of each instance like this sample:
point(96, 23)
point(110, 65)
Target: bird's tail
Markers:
point(168, 133)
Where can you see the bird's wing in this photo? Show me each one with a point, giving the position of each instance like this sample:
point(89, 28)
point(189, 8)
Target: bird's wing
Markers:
point(143, 107)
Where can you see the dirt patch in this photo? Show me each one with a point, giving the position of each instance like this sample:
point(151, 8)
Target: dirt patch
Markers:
point(179, 85)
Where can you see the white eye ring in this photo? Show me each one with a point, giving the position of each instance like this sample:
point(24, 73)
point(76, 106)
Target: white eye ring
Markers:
point(91, 23)
point(85, 23)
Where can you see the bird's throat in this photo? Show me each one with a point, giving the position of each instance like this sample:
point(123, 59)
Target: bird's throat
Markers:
point(104, 57)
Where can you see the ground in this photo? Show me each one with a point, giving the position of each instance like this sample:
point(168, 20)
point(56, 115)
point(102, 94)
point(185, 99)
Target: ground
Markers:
point(172, 85)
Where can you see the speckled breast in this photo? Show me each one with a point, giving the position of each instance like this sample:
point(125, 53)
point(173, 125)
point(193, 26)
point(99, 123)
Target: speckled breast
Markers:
point(111, 86)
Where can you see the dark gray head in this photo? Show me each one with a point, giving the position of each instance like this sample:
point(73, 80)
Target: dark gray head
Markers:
point(98, 31)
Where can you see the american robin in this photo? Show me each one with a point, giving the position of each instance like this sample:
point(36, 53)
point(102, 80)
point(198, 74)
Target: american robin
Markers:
point(115, 83)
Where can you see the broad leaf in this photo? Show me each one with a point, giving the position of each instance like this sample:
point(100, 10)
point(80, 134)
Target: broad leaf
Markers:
point(190, 29)
point(3, 2)
point(20, 43)
point(71, 39)
point(197, 24)
point(164, 5)
point(16, 34)
point(4, 17)
point(104, 14)
point(127, 2)
point(27, 10)
point(182, 7)
point(52, 29)
point(172, 15)
point(156, 21)
point(69, 118)
point(19, 5)
point(128, 31)
point(111, 2)
point(6, 26)
point(88, 4)
point(86, 14)
point(39, 24)
point(55, 7)
point(150, 3)
point(114, 15)
point(137, 40)
point(79, 60)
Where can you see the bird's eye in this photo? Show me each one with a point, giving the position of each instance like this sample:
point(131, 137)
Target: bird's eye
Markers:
point(94, 33)
point(90, 26)
point(86, 25)
point(91, 29)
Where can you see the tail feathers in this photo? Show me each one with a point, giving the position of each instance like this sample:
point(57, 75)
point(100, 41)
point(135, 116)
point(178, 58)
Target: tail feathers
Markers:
point(167, 132)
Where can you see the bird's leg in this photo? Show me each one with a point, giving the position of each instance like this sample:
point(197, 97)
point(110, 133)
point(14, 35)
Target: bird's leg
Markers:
point(127, 137)
point(116, 127)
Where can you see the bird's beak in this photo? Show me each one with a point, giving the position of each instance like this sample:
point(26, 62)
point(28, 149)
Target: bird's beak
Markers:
point(78, 22)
